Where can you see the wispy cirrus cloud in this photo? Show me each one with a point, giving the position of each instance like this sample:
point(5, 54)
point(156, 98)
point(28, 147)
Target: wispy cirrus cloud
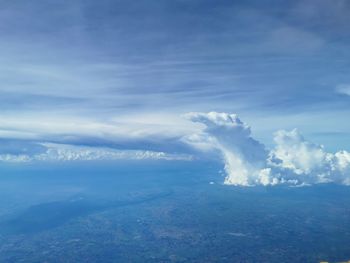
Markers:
point(88, 73)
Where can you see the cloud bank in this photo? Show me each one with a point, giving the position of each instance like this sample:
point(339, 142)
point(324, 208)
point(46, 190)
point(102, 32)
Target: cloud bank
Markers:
point(294, 160)
point(62, 152)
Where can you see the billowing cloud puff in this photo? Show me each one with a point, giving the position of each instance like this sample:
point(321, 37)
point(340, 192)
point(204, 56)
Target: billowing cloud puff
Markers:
point(293, 160)
point(244, 157)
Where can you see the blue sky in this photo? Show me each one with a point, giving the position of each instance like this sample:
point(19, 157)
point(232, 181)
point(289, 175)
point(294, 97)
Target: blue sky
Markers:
point(120, 74)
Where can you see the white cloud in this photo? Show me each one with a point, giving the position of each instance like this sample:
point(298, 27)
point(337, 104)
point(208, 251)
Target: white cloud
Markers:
point(293, 160)
point(15, 158)
point(60, 127)
point(243, 156)
point(343, 89)
point(62, 152)
point(297, 154)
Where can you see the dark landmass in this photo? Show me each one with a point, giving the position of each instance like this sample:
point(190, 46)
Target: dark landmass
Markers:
point(160, 214)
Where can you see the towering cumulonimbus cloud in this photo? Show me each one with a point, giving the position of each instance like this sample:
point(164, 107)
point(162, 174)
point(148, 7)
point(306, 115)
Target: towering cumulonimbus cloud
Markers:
point(247, 162)
point(244, 157)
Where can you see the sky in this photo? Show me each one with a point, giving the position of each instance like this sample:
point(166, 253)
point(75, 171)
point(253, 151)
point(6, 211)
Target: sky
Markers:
point(119, 76)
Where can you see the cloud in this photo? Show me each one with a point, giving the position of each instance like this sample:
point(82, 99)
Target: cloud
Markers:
point(62, 152)
point(294, 160)
point(154, 133)
point(298, 161)
point(225, 132)
point(293, 40)
point(298, 154)
point(343, 89)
